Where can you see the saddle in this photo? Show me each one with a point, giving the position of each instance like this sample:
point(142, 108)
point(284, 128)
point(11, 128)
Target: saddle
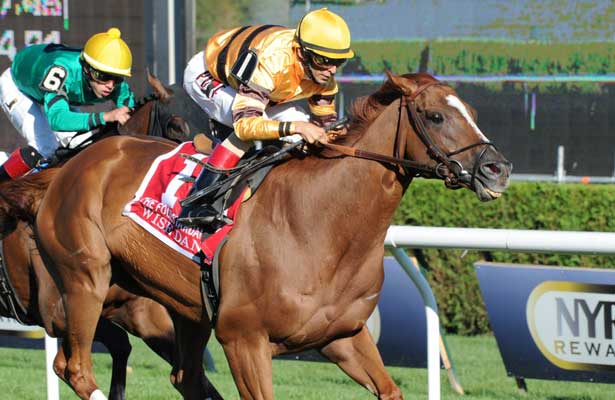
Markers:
point(248, 175)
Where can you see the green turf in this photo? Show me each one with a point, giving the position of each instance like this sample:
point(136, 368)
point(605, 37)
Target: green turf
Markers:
point(479, 369)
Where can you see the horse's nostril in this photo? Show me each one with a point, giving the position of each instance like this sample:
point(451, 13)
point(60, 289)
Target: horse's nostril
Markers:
point(493, 168)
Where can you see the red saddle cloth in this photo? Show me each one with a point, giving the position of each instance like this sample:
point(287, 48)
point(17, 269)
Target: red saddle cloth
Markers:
point(156, 204)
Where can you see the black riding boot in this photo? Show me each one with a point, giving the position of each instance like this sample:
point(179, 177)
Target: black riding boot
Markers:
point(200, 213)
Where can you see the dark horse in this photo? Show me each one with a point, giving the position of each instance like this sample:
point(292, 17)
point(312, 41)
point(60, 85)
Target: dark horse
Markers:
point(303, 267)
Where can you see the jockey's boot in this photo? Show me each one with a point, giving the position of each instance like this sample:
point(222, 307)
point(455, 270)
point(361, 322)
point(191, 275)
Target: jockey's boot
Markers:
point(201, 214)
point(20, 162)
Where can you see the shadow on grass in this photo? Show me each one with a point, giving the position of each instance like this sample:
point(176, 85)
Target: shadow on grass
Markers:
point(569, 398)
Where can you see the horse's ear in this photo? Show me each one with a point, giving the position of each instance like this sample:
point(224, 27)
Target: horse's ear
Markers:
point(162, 92)
point(404, 85)
point(178, 129)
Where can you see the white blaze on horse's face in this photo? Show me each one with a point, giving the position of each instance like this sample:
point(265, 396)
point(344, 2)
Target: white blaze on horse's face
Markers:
point(454, 101)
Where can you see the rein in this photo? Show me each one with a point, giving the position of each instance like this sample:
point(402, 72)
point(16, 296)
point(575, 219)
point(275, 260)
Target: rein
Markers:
point(446, 168)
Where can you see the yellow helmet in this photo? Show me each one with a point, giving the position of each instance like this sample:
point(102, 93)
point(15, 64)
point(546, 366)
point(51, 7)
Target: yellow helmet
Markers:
point(325, 33)
point(107, 52)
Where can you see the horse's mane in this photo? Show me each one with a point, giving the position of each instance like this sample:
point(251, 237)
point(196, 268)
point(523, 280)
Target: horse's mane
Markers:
point(365, 109)
point(144, 100)
point(21, 197)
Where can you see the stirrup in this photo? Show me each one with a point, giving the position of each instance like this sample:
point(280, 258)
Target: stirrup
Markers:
point(203, 217)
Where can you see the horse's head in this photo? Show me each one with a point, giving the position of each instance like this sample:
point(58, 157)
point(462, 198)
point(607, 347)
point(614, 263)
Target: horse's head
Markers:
point(152, 117)
point(441, 134)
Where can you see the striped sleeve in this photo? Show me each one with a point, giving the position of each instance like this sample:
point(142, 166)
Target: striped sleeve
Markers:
point(62, 119)
point(322, 106)
point(248, 116)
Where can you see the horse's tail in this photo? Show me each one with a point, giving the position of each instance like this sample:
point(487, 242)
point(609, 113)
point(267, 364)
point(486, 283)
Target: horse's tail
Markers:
point(20, 198)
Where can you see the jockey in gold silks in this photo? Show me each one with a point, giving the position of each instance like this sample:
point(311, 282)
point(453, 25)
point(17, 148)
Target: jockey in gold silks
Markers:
point(250, 79)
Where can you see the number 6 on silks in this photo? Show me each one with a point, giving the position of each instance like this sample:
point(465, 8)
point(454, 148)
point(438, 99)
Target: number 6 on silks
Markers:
point(54, 79)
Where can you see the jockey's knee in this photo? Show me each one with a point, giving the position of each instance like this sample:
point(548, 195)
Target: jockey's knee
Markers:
point(20, 162)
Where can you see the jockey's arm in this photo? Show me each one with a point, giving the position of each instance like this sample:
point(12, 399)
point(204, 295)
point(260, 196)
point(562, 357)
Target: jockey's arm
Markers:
point(322, 112)
point(322, 108)
point(62, 119)
point(250, 124)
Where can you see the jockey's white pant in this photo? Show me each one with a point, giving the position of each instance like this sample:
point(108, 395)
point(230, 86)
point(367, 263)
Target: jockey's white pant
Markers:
point(217, 103)
point(29, 118)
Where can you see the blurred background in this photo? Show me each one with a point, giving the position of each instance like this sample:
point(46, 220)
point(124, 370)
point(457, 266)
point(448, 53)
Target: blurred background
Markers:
point(540, 74)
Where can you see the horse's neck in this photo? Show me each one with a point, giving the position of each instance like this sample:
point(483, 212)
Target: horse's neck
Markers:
point(139, 121)
point(381, 134)
point(358, 192)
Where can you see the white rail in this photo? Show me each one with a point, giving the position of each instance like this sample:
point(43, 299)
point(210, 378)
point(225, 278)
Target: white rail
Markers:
point(528, 241)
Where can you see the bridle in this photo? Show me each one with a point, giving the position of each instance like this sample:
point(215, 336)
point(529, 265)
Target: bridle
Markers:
point(446, 168)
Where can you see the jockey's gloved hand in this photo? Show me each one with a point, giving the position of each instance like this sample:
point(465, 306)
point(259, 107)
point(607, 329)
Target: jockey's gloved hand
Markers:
point(120, 115)
point(333, 134)
point(336, 129)
point(311, 133)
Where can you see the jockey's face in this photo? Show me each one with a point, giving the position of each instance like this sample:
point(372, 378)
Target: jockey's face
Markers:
point(102, 83)
point(102, 89)
point(322, 76)
point(321, 68)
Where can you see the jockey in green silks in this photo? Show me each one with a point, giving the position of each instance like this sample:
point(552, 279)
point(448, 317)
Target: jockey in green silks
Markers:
point(45, 84)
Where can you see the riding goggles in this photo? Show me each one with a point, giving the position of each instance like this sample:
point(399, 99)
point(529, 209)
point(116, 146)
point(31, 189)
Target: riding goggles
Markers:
point(104, 77)
point(319, 61)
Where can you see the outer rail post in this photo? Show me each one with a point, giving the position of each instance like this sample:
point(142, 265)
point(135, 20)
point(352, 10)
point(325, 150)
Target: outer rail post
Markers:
point(53, 386)
point(433, 322)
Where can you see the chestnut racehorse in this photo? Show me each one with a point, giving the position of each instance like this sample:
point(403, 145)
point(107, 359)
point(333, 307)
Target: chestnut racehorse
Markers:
point(303, 266)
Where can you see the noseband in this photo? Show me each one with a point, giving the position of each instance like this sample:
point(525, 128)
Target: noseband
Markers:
point(446, 168)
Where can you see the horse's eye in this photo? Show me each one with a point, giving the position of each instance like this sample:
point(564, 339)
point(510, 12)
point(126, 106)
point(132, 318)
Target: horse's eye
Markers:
point(435, 117)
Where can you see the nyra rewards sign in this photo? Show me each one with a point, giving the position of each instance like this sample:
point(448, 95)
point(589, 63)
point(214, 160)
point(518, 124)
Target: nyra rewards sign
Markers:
point(552, 322)
point(572, 324)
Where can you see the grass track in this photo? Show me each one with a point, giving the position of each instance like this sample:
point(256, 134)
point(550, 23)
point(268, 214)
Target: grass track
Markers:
point(478, 363)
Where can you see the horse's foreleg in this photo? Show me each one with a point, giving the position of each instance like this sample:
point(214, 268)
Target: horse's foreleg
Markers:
point(83, 308)
point(116, 341)
point(358, 357)
point(188, 375)
point(59, 363)
point(85, 287)
point(249, 356)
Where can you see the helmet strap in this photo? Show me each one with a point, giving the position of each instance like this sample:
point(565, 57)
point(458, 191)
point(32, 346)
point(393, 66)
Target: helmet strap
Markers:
point(85, 67)
point(305, 57)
